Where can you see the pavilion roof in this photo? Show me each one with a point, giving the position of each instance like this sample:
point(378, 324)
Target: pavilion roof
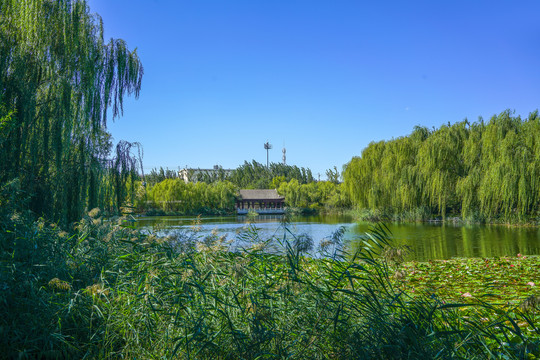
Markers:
point(262, 194)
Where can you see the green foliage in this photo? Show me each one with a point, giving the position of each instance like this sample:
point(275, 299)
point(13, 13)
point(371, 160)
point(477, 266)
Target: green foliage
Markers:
point(506, 280)
point(176, 196)
point(276, 182)
point(333, 175)
point(157, 176)
point(58, 81)
point(483, 172)
point(209, 177)
point(173, 195)
point(314, 195)
point(106, 290)
point(257, 176)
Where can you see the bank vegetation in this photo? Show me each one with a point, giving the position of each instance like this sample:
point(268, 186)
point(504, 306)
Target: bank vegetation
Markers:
point(485, 171)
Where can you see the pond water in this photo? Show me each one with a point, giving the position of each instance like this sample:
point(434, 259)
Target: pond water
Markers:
point(427, 241)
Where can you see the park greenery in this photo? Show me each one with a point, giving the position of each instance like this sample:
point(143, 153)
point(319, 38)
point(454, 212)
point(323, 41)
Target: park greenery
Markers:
point(174, 196)
point(476, 172)
point(255, 175)
point(107, 290)
point(60, 82)
point(165, 193)
point(320, 195)
point(78, 282)
point(481, 171)
point(158, 175)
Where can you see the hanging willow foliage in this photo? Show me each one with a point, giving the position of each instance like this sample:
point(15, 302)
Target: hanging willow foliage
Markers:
point(478, 170)
point(58, 80)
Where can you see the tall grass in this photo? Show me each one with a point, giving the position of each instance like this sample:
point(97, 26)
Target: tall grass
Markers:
point(106, 290)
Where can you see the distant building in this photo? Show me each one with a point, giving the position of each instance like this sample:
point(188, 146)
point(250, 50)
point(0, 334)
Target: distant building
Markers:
point(260, 201)
point(206, 175)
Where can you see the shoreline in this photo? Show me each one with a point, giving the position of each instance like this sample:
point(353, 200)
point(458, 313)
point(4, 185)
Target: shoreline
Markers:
point(357, 216)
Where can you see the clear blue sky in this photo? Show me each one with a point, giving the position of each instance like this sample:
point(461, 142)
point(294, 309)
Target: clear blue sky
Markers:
point(322, 78)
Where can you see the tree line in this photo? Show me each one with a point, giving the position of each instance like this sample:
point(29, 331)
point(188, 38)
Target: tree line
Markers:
point(482, 171)
point(166, 192)
point(175, 196)
point(314, 195)
point(254, 175)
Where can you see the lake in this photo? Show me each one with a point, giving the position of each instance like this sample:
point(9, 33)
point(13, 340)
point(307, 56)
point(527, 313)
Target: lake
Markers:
point(427, 241)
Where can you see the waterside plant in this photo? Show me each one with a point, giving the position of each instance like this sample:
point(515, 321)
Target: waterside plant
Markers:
point(104, 289)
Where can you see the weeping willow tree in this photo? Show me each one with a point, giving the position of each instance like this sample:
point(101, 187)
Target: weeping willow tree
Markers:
point(440, 165)
point(174, 195)
point(313, 195)
point(59, 81)
point(481, 170)
point(511, 166)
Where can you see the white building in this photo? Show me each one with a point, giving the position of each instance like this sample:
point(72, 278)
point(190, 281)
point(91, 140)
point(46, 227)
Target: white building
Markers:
point(206, 175)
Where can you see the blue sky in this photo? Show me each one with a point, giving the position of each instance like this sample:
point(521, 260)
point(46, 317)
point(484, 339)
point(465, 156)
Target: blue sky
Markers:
point(322, 78)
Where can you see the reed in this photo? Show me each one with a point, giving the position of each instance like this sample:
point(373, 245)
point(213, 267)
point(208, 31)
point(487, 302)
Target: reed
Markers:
point(105, 290)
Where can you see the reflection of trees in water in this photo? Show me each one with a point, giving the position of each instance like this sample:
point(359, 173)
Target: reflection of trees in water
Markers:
point(443, 241)
point(427, 241)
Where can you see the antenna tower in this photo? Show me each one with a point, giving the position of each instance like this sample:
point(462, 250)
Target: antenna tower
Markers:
point(267, 146)
point(284, 151)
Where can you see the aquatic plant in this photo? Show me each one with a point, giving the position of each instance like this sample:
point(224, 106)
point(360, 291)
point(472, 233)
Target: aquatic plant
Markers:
point(107, 290)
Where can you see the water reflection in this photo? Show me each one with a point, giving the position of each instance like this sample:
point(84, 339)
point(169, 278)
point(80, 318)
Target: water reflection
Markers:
point(444, 241)
point(427, 240)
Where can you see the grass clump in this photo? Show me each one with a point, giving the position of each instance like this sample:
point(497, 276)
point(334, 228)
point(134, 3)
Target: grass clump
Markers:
point(105, 290)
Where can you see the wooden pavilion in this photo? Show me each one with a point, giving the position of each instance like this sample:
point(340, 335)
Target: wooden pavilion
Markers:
point(260, 201)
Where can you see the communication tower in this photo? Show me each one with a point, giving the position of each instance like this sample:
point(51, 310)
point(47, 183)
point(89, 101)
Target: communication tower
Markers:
point(284, 151)
point(267, 146)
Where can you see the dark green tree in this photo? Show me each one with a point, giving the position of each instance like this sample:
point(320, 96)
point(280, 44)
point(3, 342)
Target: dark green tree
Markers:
point(333, 175)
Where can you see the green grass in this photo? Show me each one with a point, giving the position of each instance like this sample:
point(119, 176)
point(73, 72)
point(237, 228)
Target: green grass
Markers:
point(104, 290)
